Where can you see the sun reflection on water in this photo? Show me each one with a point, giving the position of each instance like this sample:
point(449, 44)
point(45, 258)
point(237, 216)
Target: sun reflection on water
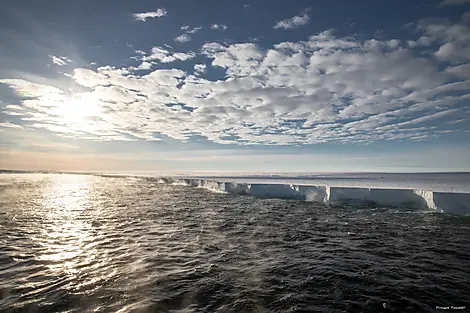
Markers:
point(67, 230)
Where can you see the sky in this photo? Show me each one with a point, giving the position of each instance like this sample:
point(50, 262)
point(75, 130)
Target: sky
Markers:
point(235, 86)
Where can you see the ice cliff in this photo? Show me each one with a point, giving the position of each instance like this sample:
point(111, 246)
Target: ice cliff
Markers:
point(455, 203)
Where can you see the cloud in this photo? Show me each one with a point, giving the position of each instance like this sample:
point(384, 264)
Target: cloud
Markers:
point(145, 15)
point(238, 59)
point(294, 22)
point(461, 71)
point(219, 26)
point(194, 30)
point(187, 29)
point(324, 89)
point(61, 61)
point(453, 40)
point(164, 55)
point(186, 36)
point(183, 38)
point(88, 77)
point(420, 120)
point(33, 90)
point(10, 125)
point(446, 3)
point(200, 68)
point(144, 66)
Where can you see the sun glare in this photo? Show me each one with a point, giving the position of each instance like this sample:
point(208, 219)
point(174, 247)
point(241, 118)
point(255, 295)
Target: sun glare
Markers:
point(63, 240)
point(78, 112)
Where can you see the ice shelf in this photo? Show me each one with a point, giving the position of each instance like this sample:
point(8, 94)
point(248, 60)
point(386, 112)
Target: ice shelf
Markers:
point(445, 202)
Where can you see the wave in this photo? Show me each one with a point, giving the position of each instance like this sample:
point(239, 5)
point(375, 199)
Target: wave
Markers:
point(443, 202)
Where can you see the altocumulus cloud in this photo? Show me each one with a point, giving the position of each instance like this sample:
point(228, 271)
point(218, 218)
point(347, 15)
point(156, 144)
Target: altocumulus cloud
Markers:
point(219, 26)
point(60, 60)
point(186, 36)
point(183, 38)
point(146, 15)
point(322, 89)
point(294, 22)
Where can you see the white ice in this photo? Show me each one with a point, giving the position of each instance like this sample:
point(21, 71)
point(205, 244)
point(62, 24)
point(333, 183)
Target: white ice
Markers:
point(446, 202)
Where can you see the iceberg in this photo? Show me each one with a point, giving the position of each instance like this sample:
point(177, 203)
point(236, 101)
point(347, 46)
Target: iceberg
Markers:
point(444, 202)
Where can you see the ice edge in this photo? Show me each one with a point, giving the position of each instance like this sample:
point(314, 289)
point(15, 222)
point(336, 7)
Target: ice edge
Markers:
point(454, 203)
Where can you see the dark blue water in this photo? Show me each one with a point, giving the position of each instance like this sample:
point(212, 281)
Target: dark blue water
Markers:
point(79, 243)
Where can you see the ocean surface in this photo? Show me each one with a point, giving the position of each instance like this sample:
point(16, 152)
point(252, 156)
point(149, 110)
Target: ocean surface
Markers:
point(83, 243)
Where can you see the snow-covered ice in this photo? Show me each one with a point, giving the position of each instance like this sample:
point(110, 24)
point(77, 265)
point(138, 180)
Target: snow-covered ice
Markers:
point(424, 195)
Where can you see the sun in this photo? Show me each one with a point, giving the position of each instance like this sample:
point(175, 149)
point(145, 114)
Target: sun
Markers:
point(78, 112)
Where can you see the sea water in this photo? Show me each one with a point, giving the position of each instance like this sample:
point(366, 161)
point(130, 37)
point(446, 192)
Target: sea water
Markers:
point(83, 243)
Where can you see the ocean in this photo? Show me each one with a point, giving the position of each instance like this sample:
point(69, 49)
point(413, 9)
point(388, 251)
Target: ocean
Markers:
point(90, 243)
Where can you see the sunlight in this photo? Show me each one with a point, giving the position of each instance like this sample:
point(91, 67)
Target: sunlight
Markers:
point(78, 112)
point(64, 237)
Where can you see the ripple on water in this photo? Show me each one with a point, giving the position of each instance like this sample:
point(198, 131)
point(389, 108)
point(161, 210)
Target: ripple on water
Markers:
point(78, 243)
